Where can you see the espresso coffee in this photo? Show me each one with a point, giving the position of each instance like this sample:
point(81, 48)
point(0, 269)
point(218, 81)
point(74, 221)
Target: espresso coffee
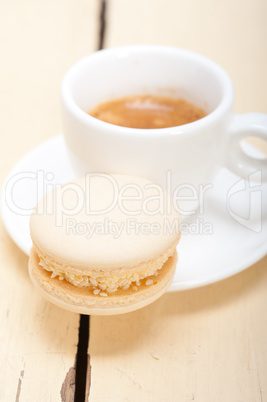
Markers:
point(147, 111)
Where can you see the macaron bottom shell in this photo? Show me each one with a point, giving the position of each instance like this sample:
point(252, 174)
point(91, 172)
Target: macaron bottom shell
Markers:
point(82, 299)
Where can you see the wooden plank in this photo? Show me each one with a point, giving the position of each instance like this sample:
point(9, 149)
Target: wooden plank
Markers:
point(232, 33)
point(37, 340)
point(39, 41)
point(207, 344)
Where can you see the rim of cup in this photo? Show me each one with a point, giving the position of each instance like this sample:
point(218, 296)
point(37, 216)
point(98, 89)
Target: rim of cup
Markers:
point(124, 51)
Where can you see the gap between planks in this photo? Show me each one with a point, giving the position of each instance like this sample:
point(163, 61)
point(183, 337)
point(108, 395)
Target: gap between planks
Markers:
point(76, 386)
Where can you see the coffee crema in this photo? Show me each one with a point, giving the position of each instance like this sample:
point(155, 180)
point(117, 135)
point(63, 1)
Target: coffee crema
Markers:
point(147, 111)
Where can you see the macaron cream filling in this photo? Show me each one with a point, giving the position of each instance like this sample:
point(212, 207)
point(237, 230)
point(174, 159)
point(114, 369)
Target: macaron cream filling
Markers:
point(102, 282)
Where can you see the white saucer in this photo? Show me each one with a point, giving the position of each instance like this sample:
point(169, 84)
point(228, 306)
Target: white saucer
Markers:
point(239, 231)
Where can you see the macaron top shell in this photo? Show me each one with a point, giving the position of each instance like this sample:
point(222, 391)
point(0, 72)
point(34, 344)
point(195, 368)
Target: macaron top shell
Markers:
point(105, 222)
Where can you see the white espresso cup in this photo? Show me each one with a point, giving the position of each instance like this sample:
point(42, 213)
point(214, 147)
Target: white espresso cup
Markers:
point(193, 153)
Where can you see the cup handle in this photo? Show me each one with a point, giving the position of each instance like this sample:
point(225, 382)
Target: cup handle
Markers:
point(241, 127)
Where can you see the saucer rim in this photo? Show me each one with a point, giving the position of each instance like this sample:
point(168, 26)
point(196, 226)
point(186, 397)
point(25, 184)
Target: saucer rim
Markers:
point(10, 223)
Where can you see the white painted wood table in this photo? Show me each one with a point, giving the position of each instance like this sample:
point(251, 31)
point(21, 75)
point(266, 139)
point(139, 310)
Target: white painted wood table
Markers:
point(207, 344)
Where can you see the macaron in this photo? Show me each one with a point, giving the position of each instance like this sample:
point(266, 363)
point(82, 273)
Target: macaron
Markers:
point(104, 244)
